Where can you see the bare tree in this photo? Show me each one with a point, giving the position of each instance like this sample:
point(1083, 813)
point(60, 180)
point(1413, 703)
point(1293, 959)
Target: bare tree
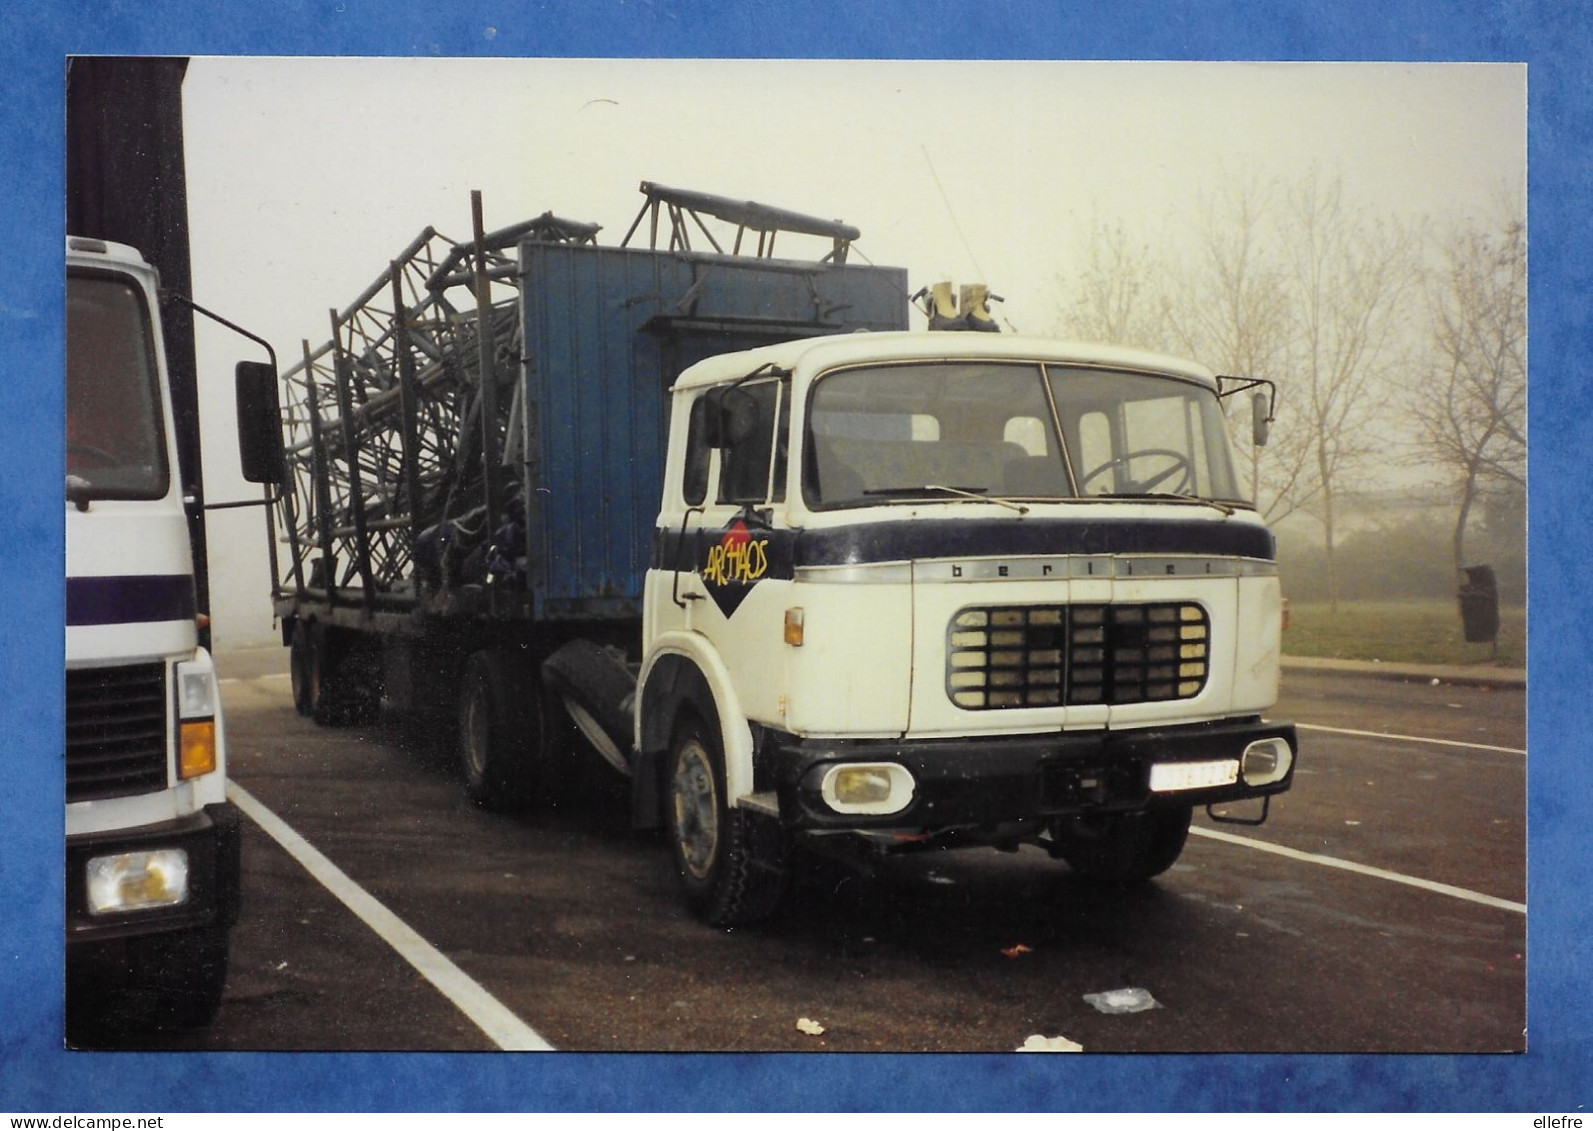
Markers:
point(1231, 309)
point(1470, 409)
point(1282, 280)
point(1348, 277)
point(1117, 296)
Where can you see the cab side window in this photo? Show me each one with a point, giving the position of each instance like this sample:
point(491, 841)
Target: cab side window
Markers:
point(694, 483)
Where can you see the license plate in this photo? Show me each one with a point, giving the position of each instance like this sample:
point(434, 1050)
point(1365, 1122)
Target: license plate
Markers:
point(1171, 777)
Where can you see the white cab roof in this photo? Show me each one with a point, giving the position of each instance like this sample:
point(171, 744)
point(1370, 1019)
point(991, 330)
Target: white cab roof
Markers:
point(812, 354)
point(81, 249)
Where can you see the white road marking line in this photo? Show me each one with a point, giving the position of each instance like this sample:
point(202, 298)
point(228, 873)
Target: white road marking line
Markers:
point(252, 678)
point(489, 1014)
point(1410, 738)
point(1362, 869)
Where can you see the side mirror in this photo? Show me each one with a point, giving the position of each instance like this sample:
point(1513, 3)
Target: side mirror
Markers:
point(259, 423)
point(740, 417)
point(1260, 415)
point(732, 416)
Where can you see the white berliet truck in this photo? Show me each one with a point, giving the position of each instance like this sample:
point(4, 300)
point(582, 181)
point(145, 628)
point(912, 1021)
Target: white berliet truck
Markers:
point(152, 865)
point(806, 579)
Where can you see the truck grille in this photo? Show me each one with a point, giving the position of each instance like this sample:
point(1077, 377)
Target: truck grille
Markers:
point(115, 731)
point(1072, 655)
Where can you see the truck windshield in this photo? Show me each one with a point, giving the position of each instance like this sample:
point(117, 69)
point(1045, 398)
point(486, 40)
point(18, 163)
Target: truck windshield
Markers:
point(947, 430)
point(114, 439)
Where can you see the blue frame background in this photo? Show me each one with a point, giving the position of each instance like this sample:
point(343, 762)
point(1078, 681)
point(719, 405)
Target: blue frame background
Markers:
point(1553, 38)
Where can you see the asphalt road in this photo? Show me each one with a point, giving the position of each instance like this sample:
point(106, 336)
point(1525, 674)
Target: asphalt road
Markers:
point(566, 928)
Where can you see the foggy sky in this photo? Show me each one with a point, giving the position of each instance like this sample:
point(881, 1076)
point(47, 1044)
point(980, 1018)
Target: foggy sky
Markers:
point(306, 176)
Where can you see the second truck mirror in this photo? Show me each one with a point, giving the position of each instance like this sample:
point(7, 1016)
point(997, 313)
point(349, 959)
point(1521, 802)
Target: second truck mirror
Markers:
point(259, 423)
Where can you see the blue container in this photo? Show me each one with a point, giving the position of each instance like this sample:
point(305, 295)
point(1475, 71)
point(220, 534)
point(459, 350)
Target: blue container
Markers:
point(606, 332)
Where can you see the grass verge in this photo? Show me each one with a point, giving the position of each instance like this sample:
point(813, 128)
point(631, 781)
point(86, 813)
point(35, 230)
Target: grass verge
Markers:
point(1400, 632)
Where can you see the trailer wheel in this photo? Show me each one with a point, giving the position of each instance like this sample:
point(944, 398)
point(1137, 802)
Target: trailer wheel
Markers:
point(1125, 848)
point(301, 665)
point(726, 881)
point(595, 688)
point(497, 732)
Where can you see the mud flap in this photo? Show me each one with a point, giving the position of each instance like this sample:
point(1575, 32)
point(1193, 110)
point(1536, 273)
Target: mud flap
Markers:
point(596, 689)
point(767, 841)
point(646, 791)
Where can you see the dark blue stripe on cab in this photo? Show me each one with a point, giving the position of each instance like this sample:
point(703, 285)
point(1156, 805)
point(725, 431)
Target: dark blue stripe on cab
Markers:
point(976, 538)
point(997, 537)
point(135, 599)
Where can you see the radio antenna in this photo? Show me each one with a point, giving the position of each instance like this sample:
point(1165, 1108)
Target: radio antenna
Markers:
point(950, 211)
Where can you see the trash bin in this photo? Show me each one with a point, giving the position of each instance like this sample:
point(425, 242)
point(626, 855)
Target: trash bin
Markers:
point(1479, 604)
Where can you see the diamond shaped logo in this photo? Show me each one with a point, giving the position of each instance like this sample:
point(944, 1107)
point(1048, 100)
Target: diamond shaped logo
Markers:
point(733, 565)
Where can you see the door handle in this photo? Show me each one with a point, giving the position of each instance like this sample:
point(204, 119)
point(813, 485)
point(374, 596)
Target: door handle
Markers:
point(680, 552)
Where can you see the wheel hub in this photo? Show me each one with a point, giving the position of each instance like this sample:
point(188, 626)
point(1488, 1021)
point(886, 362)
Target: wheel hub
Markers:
point(696, 809)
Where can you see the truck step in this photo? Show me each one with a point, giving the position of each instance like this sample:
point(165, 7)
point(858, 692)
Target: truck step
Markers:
point(766, 803)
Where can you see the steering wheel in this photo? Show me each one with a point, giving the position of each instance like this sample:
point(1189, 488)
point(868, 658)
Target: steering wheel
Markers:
point(78, 448)
point(1178, 463)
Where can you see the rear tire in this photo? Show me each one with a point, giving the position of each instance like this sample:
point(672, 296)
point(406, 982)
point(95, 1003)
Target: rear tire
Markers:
point(1125, 848)
point(498, 731)
point(727, 882)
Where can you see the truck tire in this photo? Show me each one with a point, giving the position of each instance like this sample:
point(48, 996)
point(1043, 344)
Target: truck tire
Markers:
point(498, 725)
point(595, 689)
point(1125, 848)
point(301, 666)
point(177, 979)
point(726, 881)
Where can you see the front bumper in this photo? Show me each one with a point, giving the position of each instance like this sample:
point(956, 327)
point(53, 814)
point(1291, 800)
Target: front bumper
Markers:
point(211, 840)
point(1018, 778)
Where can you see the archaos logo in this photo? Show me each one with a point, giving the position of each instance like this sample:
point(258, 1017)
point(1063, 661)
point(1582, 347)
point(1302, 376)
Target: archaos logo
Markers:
point(734, 565)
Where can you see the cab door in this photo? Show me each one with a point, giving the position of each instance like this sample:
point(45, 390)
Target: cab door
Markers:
point(734, 573)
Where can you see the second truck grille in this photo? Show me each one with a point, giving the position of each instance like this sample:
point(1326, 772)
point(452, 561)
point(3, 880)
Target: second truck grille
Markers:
point(115, 731)
point(1072, 655)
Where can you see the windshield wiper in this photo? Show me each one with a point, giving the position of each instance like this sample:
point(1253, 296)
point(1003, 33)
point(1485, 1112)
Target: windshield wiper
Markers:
point(977, 494)
point(1223, 507)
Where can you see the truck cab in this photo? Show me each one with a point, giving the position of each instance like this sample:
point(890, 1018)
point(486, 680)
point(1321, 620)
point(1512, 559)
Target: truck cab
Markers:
point(152, 863)
point(950, 589)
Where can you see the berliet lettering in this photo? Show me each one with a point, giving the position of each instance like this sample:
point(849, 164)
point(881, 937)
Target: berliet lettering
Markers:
point(1039, 569)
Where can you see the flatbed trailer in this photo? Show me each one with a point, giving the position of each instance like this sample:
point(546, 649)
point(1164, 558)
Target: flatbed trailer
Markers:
point(477, 449)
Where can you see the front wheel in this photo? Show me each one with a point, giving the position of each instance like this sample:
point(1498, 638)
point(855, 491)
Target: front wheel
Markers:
point(728, 881)
point(1124, 848)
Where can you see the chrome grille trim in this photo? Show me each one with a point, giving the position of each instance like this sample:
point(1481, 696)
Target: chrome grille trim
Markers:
point(1014, 656)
